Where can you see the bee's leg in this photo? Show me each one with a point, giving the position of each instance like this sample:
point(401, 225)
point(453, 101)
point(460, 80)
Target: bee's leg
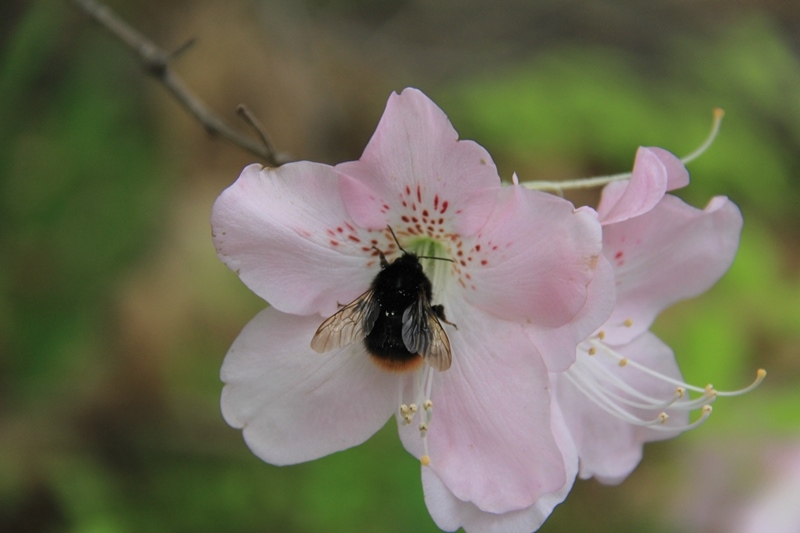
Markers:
point(438, 310)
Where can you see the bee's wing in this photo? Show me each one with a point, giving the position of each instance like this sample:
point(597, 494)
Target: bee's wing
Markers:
point(349, 324)
point(424, 334)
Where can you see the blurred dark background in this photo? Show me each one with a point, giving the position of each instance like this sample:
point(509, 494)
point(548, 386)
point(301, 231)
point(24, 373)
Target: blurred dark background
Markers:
point(115, 313)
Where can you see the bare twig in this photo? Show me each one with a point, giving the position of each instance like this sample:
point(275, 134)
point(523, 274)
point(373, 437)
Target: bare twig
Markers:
point(156, 63)
point(251, 119)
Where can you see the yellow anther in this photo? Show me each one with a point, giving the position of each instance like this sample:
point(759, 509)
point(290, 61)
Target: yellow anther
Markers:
point(601, 335)
point(680, 392)
point(592, 350)
point(425, 460)
point(628, 323)
point(663, 417)
point(428, 405)
point(623, 361)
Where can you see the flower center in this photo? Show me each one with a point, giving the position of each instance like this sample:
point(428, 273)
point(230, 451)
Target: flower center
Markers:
point(622, 387)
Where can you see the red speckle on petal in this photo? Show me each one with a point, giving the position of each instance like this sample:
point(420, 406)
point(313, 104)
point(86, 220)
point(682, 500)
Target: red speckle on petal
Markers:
point(444, 207)
point(408, 190)
point(618, 255)
point(484, 262)
point(436, 202)
point(353, 238)
point(340, 229)
point(351, 228)
point(330, 232)
point(419, 193)
point(334, 243)
point(425, 213)
point(404, 218)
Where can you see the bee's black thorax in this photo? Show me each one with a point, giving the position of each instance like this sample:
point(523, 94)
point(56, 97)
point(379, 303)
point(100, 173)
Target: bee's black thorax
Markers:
point(396, 287)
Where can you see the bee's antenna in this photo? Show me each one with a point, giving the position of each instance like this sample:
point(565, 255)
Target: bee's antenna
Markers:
point(419, 256)
point(437, 258)
point(395, 239)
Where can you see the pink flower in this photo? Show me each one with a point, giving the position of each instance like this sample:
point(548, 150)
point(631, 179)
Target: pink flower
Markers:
point(306, 238)
point(625, 387)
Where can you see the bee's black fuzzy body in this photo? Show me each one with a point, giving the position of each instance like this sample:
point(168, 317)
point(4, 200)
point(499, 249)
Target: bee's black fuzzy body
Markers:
point(394, 319)
point(397, 287)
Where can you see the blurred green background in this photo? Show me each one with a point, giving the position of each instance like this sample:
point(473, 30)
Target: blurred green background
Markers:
point(115, 313)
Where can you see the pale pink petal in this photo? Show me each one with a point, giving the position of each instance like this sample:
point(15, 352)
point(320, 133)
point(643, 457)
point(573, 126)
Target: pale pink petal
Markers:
point(287, 235)
point(610, 448)
point(450, 513)
point(297, 405)
point(533, 260)
point(639, 194)
point(557, 345)
point(415, 164)
point(677, 175)
point(673, 252)
point(490, 440)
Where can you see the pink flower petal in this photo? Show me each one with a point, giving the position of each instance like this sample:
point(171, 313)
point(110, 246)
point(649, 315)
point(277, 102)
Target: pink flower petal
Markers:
point(673, 252)
point(297, 405)
point(490, 441)
point(610, 448)
point(450, 513)
point(415, 163)
point(557, 345)
point(630, 198)
point(533, 260)
point(287, 234)
point(677, 175)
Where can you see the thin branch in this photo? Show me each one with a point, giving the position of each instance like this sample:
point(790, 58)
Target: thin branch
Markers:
point(156, 63)
point(251, 119)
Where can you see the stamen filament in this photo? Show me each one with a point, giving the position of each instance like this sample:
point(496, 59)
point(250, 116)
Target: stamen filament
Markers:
point(719, 113)
point(590, 389)
point(601, 400)
point(585, 183)
point(760, 375)
point(605, 349)
point(652, 403)
point(709, 391)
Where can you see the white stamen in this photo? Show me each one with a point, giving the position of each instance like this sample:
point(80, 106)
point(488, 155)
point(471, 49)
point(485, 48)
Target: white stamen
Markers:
point(423, 383)
point(585, 183)
point(608, 389)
